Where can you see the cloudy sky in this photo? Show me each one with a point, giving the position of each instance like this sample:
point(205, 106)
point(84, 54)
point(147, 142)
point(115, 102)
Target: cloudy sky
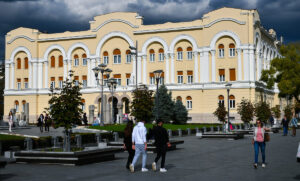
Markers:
point(73, 15)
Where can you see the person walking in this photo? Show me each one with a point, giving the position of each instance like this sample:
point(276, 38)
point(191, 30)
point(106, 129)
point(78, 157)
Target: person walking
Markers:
point(10, 120)
point(47, 123)
point(259, 142)
point(294, 124)
point(162, 143)
point(285, 125)
point(84, 119)
point(128, 142)
point(139, 144)
point(41, 122)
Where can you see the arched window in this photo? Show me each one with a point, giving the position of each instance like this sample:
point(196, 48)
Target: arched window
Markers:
point(117, 56)
point(221, 99)
point(23, 105)
point(189, 104)
point(221, 50)
point(105, 57)
point(26, 63)
point(18, 63)
point(161, 54)
point(128, 56)
point(231, 50)
point(84, 59)
point(152, 55)
point(76, 60)
point(52, 59)
point(189, 53)
point(179, 98)
point(60, 61)
point(231, 101)
point(179, 53)
point(17, 106)
point(83, 105)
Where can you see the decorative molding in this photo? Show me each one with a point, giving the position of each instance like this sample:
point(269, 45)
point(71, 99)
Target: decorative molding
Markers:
point(224, 19)
point(225, 33)
point(167, 29)
point(53, 47)
point(68, 38)
point(20, 36)
point(183, 37)
point(20, 49)
point(114, 20)
point(154, 39)
point(78, 45)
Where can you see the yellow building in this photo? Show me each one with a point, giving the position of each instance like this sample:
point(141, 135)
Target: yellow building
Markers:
point(198, 59)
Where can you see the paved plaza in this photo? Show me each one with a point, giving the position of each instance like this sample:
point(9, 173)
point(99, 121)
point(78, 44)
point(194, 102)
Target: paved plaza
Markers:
point(196, 159)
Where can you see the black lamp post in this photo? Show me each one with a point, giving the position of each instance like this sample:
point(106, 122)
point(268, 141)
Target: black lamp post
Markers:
point(157, 75)
point(101, 69)
point(112, 83)
point(136, 61)
point(228, 86)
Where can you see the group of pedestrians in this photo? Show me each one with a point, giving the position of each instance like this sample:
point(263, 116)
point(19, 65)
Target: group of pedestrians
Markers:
point(135, 142)
point(285, 124)
point(43, 121)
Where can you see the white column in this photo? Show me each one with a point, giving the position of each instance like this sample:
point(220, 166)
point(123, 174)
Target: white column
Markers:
point(35, 75)
point(252, 65)
point(133, 75)
point(98, 60)
point(40, 75)
point(12, 75)
point(265, 60)
point(213, 66)
point(144, 69)
point(204, 67)
point(139, 70)
point(46, 74)
point(93, 78)
point(196, 70)
point(167, 73)
point(7, 75)
point(89, 72)
point(246, 64)
point(258, 65)
point(69, 66)
point(239, 64)
point(172, 68)
point(65, 69)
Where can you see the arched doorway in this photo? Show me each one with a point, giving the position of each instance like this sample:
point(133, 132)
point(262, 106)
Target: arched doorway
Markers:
point(115, 109)
point(125, 102)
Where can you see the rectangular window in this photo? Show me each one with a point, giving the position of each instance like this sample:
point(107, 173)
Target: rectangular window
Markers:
point(117, 59)
point(128, 79)
point(161, 57)
point(152, 57)
point(152, 79)
point(76, 78)
point(19, 64)
point(189, 55)
point(179, 55)
point(221, 53)
point(190, 77)
point(84, 81)
point(26, 83)
point(84, 61)
point(60, 82)
point(19, 84)
point(105, 60)
point(128, 58)
point(52, 83)
point(118, 78)
point(189, 104)
point(231, 103)
point(221, 102)
point(231, 52)
point(222, 75)
point(179, 77)
point(76, 62)
point(232, 74)
point(161, 81)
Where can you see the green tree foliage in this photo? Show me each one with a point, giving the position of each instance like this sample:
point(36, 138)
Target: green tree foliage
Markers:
point(65, 104)
point(288, 112)
point(142, 104)
point(163, 106)
point(221, 112)
point(262, 111)
point(286, 72)
point(180, 115)
point(276, 111)
point(246, 110)
point(2, 85)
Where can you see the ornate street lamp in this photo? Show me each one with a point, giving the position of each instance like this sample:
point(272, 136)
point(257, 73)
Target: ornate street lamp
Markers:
point(157, 75)
point(112, 84)
point(228, 86)
point(101, 69)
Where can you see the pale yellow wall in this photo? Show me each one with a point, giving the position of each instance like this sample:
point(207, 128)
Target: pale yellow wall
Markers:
point(21, 73)
point(81, 69)
point(54, 71)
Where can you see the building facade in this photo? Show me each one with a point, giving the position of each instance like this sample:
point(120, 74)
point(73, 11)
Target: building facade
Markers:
point(198, 59)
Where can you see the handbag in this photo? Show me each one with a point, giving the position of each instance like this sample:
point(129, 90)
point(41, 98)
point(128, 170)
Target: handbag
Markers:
point(266, 137)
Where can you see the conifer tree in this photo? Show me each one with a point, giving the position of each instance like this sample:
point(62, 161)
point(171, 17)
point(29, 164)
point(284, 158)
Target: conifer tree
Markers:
point(163, 106)
point(180, 113)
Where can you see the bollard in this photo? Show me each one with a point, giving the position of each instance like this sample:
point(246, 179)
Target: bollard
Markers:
point(179, 132)
point(188, 131)
point(98, 137)
point(116, 136)
point(170, 133)
point(55, 141)
point(204, 129)
point(197, 130)
point(78, 141)
point(28, 144)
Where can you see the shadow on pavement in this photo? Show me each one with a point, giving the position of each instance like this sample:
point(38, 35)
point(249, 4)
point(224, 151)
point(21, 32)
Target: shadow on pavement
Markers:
point(6, 176)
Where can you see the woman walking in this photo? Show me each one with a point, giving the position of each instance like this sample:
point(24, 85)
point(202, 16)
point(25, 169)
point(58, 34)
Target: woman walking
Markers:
point(259, 142)
point(47, 123)
point(41, 122)
point(128, 142)
point(10, 120)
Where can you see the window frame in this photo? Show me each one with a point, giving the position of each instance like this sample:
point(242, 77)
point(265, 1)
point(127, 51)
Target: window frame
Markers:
point(190, 55)
point(189, 104)
point(180, 79)
point(117, 59)
point(190, 79)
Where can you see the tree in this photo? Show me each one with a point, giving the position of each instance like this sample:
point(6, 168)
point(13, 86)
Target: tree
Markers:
point(180, 115)
point(288, 113)
point(164, 107)
point(276, 111)
point(262, 111)
point(142, 104)
point(246, 110)
point(220, 112)
point(286, 72)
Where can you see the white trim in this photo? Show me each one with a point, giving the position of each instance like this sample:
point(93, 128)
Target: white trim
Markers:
point(224, 19)
point(20, 36)
point(78, 45)
point(225, 33)
point(19, 49)
point(114, 20)
point(168, 29)
point(68, 38)
point(154, 39)
point(53, 47)
point(183, 37)
point(110, 35)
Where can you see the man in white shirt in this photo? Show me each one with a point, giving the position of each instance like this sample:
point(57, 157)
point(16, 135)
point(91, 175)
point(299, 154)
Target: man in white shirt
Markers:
point(139, 144)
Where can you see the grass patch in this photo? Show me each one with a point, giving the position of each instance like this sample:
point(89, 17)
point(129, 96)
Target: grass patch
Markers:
point(4, 137)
